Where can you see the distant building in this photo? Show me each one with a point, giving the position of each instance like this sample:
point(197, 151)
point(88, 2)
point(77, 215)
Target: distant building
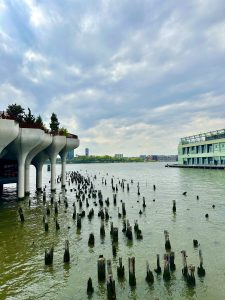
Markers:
point(203, 149)
point(86, 151)
point(70, 155)
point(118, 155)
point(165, 158)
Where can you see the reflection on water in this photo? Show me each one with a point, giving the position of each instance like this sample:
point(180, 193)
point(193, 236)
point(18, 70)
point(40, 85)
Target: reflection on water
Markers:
point(23, 274)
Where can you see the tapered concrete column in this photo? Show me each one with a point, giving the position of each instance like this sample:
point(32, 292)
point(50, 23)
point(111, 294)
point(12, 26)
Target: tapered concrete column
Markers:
point(39, 177)
point(63, 163)
point(25, 142)
point(58, 143)
point(71, 143)
point(45, 141)
point(9, 130)
point(38, 161)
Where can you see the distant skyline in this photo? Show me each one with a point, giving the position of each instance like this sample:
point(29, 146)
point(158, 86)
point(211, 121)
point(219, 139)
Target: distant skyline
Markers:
point(127, 77)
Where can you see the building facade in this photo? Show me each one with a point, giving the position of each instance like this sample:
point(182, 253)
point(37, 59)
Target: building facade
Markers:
point(70, 155)
point(86, 151)
point(203, 149)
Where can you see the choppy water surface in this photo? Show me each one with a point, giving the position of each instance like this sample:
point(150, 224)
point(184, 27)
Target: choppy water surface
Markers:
point(23, 274)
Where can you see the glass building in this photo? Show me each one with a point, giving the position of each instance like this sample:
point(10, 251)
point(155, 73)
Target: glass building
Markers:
point(203, 149)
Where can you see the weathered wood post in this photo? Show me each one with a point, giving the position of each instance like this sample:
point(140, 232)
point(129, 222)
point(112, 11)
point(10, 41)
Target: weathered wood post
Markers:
point(20, 210)
point(57, 225)
point(184, 260)
point(74, 211)
point(90, 289)
point(174, 206)
point(44, 196)
point(201, 270)
point(78, 222)
point(166, 271)
point(129, 233)
point(191, 275)
point(149, 276)
point(66, 257)
point(102, 230)
point(91, 241)
point(123, 209)
point(56, 208)
point(171, 261)
point(120, 269)
point(167, 241)
point(131, 264)
point(158, 269)
point(49, 256)
point(101, 268)
point(111, 287)
point(115, 235)
point(111, 228)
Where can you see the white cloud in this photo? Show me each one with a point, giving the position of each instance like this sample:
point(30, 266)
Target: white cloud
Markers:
point(10, 94)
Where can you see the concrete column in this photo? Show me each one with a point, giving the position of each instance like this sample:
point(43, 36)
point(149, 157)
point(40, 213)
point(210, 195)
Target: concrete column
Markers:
point(21, 173)
point(45, 141)
point(53, 174)
point(27, 179)
point(63, 163)
point(39, 177)
point(58, 143)
point(71, 143)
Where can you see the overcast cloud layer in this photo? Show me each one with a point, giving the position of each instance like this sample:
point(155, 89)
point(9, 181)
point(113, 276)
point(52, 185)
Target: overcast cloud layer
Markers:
point(127, 76)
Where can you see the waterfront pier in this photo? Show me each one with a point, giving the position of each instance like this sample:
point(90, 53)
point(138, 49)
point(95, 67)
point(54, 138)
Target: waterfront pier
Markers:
point(21, 146)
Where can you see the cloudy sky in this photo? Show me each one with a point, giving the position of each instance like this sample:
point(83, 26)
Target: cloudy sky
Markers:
point(128, 76)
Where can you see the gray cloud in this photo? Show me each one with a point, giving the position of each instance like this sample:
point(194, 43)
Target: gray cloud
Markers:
point(126, 78)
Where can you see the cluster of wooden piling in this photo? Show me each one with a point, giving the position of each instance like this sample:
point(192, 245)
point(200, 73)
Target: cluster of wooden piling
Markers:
point(85, 192)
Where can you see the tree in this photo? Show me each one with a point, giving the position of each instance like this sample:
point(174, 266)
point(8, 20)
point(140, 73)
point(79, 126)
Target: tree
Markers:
point(40, 123)
point(54, 125)
point(63, 131)
point(29, 118)
point(16, 112)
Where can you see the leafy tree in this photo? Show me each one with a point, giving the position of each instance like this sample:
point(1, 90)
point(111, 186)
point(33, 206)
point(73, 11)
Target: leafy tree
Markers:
point(16, 112)
point(63, 131)
point(54, 125)
point(29, 117)
point(40, 123)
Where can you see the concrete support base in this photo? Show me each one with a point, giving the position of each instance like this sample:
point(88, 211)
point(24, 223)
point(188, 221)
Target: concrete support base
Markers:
point(27, 193)
point(39, 190)
point(53, 190)
point(63, 186)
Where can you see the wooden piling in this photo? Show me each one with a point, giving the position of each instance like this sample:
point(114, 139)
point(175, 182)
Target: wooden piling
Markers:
point(90, 289)
point(149, 276)
point(166, 271)
point(101, 268)
point(49, 256)
point(66, 257)
point(131, 265)
point(158, 269)
point(120, 269)
point(111, 287)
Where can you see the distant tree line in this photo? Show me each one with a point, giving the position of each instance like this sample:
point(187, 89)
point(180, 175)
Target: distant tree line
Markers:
point(103, 159)
point(28, 120)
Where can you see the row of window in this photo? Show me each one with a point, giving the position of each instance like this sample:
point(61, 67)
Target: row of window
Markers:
point(204, 161)
point(217, 147)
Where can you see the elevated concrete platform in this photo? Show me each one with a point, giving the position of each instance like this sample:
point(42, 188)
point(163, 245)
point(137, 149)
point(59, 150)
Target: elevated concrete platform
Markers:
point(214, 167)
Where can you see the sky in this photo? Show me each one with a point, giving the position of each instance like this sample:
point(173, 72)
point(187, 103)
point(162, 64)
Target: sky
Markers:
point(126, 76)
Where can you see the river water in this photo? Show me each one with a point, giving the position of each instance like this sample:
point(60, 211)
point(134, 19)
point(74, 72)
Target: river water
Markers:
point(23, 274)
